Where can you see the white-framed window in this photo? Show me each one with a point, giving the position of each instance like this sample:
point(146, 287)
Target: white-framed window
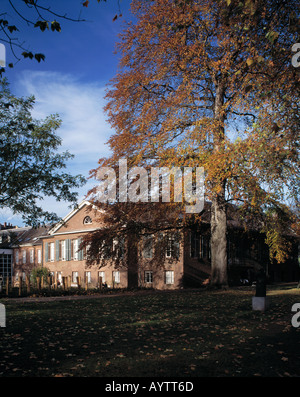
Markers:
point(39, 256)
point(74, 249)
point(88, 278)
point(118, 247)
point(170, 247)
point(101, 274)
point(63, 250)
point(116, 276)
point(169, 277)
point(24, 256)
point(52, 251)
point(86, 250)
point(17, 257)
point(74, 277)
point(31, 256)
point(59, 277)
point(148, 277)
point(114, 245)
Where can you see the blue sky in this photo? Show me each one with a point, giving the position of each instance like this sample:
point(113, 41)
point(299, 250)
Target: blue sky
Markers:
point(79, 63)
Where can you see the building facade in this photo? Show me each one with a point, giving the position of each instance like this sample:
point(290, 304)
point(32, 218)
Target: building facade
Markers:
point(184, 263)
point(64, 258)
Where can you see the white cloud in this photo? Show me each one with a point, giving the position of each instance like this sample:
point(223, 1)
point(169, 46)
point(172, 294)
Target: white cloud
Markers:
point(84, 130)
point(80, 106)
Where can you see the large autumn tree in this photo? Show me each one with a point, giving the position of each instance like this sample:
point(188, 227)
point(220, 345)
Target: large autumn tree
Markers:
point(210, 83)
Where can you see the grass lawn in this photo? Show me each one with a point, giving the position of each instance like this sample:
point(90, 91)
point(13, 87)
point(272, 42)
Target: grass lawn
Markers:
point(187, 333)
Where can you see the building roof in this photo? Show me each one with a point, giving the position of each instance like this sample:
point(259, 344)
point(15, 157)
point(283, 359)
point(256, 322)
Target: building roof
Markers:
point(32, 236)
point(22, 236)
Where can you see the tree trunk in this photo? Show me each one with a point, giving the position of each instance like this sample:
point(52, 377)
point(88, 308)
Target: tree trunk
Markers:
point(219, 242)
point(218, 209)
point(132, 259)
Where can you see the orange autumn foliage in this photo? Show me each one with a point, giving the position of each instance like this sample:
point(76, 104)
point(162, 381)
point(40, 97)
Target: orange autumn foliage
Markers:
point(210, 84)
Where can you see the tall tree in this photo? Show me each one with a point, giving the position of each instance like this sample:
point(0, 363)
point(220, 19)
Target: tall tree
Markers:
point(210, 83)
point(31, 166)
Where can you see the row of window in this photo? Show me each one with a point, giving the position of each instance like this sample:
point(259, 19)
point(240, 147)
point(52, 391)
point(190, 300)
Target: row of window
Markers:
point(169, 277)
point(172, 247)
point(63, 250)
point(66, 250)
point(148, 276)
point(88, 277)
point(24, 254)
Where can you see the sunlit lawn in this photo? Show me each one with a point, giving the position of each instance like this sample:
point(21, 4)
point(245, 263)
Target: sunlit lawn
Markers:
point(186, 333)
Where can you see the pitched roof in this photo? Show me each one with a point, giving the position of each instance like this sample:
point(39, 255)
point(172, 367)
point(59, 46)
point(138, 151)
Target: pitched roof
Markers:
point(32, 236)
point(22, 236)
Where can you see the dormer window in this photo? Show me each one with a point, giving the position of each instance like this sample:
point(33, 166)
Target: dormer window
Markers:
point(87, 220)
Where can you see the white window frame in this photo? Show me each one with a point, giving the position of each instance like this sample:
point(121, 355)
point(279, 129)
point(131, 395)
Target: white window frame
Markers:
point(116, 276)
point(75, 249)
point(51, 252)
point(88, 277)
point(74, 277)
point(169, 277)
point(39, 256)
point(32, 256)
point(63, 250)
point(59, 277)
point(148, 276)
point(24, 257)
point(170, 247)
point(101, 274)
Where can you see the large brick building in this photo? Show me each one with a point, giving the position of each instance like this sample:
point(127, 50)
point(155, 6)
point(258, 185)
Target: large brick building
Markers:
point(58, 249)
